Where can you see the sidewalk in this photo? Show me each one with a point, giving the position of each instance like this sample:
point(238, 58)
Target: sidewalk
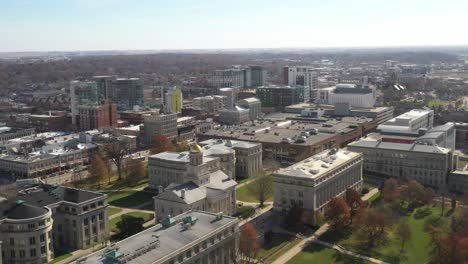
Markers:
point(347, 252)
point(312, 238)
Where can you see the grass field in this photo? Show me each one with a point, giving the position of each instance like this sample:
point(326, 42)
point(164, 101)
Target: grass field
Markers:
point(245, 212)
point(436, 103)
point(128, 198)
point(113, 222)
point(244, 194)
point(416, 251)
point(320, 254)
point(113, 211)
point(278, 240)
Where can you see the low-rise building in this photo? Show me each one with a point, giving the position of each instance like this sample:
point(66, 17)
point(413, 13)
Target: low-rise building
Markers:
point(311, 183)
point(191, 237)
point(254, 105)
point(159, 125)
point(248, 155)
point(8, 133)
point(198, 179)
point(427, 164)
point(236, 115)
point(97, 116)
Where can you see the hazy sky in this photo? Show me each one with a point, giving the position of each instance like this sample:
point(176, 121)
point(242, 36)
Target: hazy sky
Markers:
point(46, 25)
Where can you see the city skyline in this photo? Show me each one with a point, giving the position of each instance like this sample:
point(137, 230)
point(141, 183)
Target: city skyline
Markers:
point(84, 25)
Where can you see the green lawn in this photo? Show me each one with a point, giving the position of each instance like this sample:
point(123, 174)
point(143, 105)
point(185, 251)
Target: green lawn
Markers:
point(244, 194)
point(245, 212)
point(113, 211)
point(417, 250)
point(281, 251)
point(278, 240)
point(320, 254)
point(113, 222)
point(60, 258)
point(436, 103)
point(128, 198)
point(374, 198)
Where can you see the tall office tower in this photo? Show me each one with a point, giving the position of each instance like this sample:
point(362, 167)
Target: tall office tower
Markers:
point(127, 93)
point(302, 75)
point(280, 96)
point(97, 116)
point(104, 86)
point(82, 93)
point(172, 100)
point(258, 76)
point(231, 96)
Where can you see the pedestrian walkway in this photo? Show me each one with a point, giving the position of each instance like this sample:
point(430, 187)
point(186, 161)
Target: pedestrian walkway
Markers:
point(312, 238)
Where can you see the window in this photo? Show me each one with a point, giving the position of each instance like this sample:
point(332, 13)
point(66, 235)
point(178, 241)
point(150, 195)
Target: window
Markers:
point(12, 253)
point(86, 221)
point(22, 253)
point(32, 240)
point(12, 241)
point(74, 223)
point(42, 238)
point(101, 216)
point(43, 250)
point(33, 252)
point(31, 226)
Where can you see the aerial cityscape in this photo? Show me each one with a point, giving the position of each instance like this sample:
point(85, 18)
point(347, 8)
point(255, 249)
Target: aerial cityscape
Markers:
point(247, 132)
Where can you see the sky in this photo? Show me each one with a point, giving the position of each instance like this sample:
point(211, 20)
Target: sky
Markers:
point(72, 25)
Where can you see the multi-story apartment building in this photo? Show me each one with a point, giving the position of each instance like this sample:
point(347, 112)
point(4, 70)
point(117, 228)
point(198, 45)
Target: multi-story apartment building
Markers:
point(254, 105)
point(45, 123)
point(311, 183)
point(278, 97)
point(104, 86)
point(248, 155)
point(172, 100)
point(159, 125)
point(97, 116)
point(82, 93)
point(302, 76)
point(127, 93)
point(191, 237)
point(79, 216)
point(25, 232)
point(210, 104)
point(198, 179)
point(258, 75)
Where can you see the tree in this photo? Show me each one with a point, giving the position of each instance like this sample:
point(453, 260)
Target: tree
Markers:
point(161, 144)
point(116, 152)
point(98, 168)
point(338, 213)
point(249, 245)
point(130, 225)
point(261, 188)
point(182, 146)
point(391, 191)
point(372, 227)
point(453, 203)
point(135, 170)
point(403, 234)
point(355, 203)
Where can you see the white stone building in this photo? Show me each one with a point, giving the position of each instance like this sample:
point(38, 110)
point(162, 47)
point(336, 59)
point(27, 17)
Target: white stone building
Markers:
point(311, 183)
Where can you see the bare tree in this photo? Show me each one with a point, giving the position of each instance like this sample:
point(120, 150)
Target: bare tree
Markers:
point(403, 234)
point(261, 188)
point(116, 152)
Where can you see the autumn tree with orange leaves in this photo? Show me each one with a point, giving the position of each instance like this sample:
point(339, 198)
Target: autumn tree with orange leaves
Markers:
point(249, 244)
point(355, 203)
point(338, 213)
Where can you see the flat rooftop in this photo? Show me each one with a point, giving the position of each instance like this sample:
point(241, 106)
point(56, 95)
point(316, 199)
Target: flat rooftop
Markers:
point(378, 144)
point(317, 165)
point(172, 240)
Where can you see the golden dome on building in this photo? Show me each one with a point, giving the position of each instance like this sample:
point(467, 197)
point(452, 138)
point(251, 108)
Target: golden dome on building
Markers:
point(195, 148)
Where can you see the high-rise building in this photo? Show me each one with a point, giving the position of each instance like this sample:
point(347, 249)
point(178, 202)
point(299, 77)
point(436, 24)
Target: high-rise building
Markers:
point(304, 76)
point(258, 76)
point(82, 93)
point(127, 93)
point(172, 100)
point(159, 125)
point(231, 96)
point(104, 86)
point(97, 116)
point(280, 96)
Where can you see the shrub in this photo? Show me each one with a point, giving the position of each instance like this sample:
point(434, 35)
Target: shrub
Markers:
point(364, 190)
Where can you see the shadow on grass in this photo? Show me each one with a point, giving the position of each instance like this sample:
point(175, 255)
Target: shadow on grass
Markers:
point(347, 259)
point(334, 236)
point(276, 240)
point(129, 198)
point(422, 212)
point(394, 257)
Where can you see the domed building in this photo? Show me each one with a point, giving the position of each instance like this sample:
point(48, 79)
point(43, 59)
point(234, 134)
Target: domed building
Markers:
point(26, 232)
